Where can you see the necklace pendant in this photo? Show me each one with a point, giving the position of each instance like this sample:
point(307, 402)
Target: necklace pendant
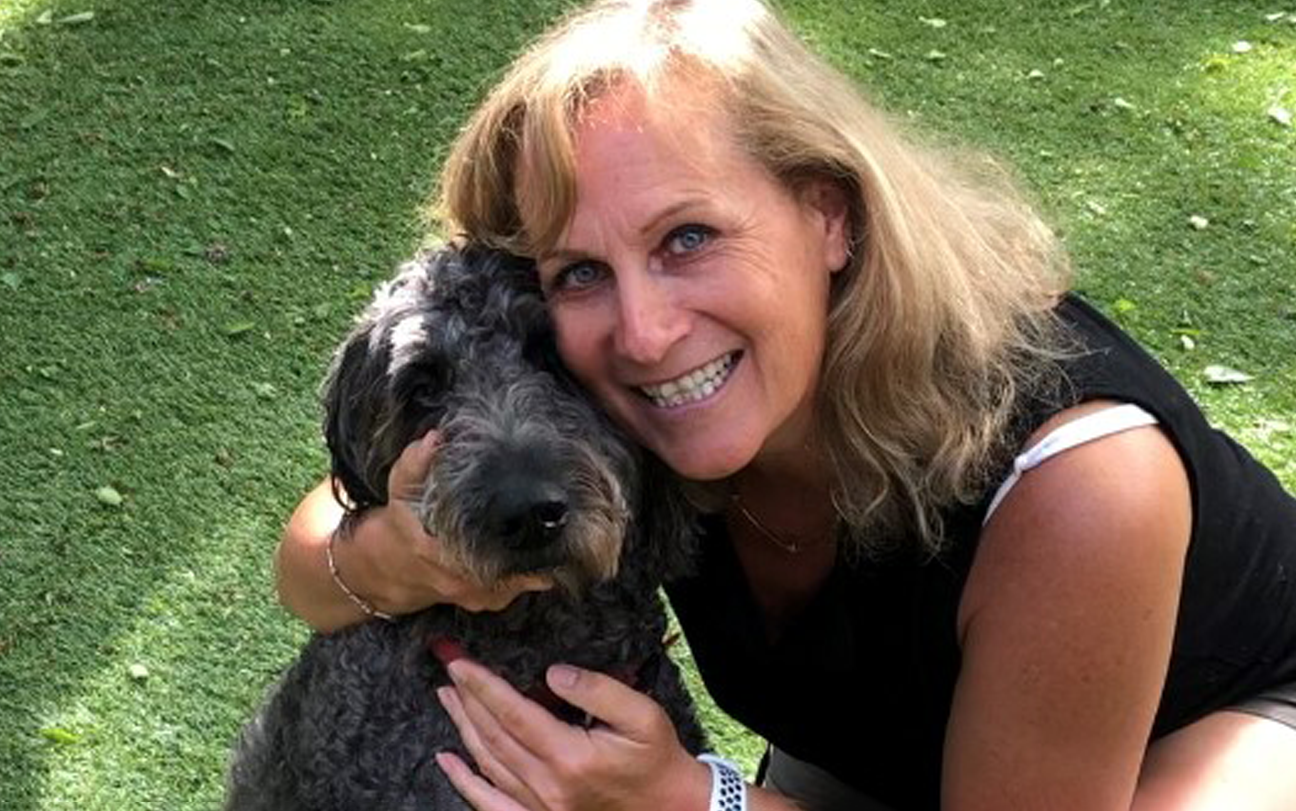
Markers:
point(790, 546)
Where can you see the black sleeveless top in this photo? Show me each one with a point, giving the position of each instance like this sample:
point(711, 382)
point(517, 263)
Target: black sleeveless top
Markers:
point(861, 682)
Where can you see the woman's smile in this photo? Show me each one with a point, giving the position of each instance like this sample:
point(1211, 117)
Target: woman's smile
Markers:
point(694, 386)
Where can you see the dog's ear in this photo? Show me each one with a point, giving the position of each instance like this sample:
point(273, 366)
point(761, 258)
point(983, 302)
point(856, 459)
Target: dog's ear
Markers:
point(354, 402)
point(363, 424)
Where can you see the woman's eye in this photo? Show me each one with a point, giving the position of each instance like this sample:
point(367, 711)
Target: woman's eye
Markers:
point(688, 238)
point(576, 276)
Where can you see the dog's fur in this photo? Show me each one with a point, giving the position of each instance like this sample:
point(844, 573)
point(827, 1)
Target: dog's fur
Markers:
point(528, 477)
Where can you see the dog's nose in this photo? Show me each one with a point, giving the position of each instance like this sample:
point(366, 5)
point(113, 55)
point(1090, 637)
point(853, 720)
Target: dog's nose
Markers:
point(531, 516)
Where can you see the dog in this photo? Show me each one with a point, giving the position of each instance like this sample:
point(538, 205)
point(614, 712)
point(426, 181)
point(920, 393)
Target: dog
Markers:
point(528, 478)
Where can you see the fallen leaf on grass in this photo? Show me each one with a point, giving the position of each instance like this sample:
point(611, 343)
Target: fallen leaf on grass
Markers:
point(138, 672)
point(935, 56)
point(217, 253)
point(76, 19)
point(266, 391)
point(934, 22)
point(1122, 103)
point(1281, 115)
point(237, 328)
point(1215, 63)
point(1224, 376)
point(109, 496)
point(879, 54)
point(1123, 305)
point(1241, 47)
point(10, 280)
point(419, 28)
point(32, 119)
point(60, 735)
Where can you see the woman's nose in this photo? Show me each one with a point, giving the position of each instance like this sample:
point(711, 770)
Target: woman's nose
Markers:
point(650, 321)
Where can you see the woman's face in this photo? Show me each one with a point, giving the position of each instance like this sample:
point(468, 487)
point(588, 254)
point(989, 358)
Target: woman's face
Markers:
point(690, 289)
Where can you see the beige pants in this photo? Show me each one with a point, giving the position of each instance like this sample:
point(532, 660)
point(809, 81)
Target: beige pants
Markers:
point(813, 788)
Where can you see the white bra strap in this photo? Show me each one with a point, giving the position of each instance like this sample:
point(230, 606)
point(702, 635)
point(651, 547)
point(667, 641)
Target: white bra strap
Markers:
point(1094, 425)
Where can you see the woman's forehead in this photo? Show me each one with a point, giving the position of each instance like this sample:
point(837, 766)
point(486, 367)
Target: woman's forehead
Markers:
point(680, 140)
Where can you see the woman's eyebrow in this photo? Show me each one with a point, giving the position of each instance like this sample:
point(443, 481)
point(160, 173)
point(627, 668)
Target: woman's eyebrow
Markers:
point(670, 212)
point(559, 254)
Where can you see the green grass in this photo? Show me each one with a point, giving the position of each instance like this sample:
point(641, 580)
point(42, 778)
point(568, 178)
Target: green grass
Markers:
point(196, 196)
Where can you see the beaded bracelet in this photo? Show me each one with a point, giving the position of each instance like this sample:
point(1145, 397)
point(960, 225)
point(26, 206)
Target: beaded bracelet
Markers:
point(728, 789)
point(360, 602)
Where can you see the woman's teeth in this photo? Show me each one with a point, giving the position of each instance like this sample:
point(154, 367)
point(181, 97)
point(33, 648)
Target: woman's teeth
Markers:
point(696, 385)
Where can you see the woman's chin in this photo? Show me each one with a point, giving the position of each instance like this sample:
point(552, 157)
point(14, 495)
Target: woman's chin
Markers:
point(702, 464)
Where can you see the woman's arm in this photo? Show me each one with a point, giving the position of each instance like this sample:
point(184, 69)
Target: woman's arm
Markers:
point(302, 577)
point(1066, 624)
point(385, 558)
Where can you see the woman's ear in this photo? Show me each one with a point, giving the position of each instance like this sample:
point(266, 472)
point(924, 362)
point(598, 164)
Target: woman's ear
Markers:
point(828, 204)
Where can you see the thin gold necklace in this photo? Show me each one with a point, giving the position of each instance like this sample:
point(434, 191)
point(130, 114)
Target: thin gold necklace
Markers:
point(792, 547)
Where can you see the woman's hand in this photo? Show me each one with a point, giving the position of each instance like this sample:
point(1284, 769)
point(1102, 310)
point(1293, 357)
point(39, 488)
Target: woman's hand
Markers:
point(630, 758)
point(407, 568)
point(387, 558)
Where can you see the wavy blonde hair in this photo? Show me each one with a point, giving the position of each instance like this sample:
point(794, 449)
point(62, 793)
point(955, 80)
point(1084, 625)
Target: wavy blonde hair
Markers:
point(942, 318)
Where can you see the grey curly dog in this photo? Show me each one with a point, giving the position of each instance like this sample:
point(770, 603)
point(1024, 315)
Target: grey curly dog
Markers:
point(528, 477)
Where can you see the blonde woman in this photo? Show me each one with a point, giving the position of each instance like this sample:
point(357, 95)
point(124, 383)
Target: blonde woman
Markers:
point(967, 546)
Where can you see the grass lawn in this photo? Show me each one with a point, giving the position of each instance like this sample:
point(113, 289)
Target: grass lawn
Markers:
point(195, 196)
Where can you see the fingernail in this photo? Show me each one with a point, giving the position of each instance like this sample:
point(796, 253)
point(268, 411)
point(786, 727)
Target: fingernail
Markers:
point(455, 669)
point(563, 676)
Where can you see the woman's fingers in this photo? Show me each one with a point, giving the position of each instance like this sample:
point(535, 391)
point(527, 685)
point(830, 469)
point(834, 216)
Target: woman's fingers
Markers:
point(631, 758)
point(491, 766)
point(435, 568)
point(510, 724)
point(629, 713)
point(405, 481)
point(479, 793)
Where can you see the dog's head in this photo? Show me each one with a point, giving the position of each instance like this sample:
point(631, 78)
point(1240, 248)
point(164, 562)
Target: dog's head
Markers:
point(528, 476)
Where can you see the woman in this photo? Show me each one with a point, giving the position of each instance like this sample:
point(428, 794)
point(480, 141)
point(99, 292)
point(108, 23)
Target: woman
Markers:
point(967, 546)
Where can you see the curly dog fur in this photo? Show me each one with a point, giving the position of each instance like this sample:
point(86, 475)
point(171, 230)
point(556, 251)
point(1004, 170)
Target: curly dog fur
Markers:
point(528, 477)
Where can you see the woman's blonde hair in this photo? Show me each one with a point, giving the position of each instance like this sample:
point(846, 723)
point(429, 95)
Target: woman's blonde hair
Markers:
point(942, 318)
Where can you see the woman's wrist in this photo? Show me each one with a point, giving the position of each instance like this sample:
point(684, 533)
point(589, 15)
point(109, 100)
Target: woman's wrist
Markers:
point(728, 788)
point(303, 580)
point(342, 537)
